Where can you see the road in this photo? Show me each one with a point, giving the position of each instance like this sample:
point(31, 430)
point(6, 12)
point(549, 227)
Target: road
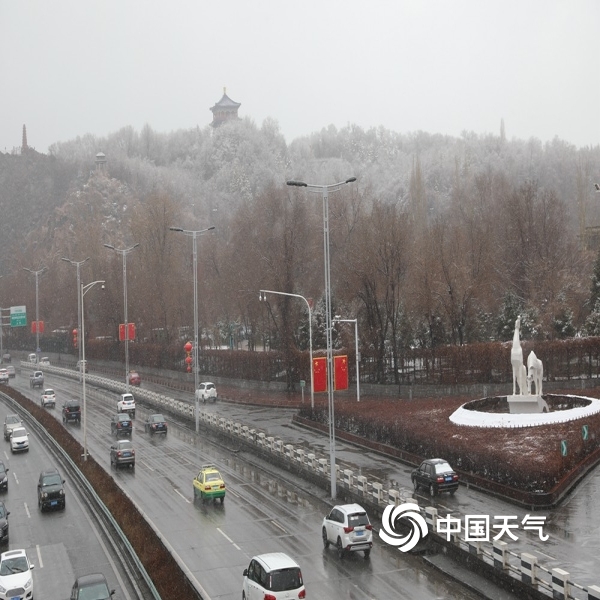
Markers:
point(61, 544)
point(261, 514)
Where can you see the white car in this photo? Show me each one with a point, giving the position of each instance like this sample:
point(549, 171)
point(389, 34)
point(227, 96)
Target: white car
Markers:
point(19, 440)
point(127, 404)
point(44, 361)
point(4, 376)
point(206, 391)
point(48, 398)
point(16, 581)
point(348, 528)
point(274, 576)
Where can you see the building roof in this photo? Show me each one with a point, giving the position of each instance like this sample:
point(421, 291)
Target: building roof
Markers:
point(225, 102)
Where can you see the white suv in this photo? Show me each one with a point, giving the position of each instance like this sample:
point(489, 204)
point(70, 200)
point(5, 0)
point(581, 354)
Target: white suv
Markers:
point(272, 576)
point(127, 404)
point(348, 527)
point(206, 391)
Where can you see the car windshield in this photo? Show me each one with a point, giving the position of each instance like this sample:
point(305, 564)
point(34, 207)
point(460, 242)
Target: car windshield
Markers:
point(157, 418)
point(12, 419)
point(51, 480)
point(18, 432)
point(358, 519)
point(14, 565)
point(213, 477)
point(125, 445)
point(210, 386)
point(95, 591)
point(2, 511)
point(285, 579)
point(49, 393)
point(442, 467)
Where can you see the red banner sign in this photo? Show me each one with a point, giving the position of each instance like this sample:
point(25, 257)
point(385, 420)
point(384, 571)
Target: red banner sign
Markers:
point(320, 374)
point(340, 372)
point(130, 329)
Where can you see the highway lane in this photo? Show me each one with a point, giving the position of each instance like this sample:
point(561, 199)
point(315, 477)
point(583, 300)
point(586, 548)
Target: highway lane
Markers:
point(261, 514)
point(61, 544)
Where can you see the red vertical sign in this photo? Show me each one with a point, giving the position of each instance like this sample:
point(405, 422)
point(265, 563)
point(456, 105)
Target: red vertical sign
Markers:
point(340, 372)
point(320, 374)
point(130, 331)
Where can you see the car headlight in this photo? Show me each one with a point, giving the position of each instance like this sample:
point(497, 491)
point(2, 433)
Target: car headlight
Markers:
point(44, 494)
point(62, 493)
point(28, 583)
point(2, 590)
point(3, 479)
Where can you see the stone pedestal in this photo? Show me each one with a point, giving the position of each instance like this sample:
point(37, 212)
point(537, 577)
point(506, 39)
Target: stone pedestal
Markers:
point(526, 404)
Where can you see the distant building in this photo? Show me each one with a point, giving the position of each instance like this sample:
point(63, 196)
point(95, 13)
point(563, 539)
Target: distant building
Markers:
point(24, 146)
point(224, 110)
point(101, 162)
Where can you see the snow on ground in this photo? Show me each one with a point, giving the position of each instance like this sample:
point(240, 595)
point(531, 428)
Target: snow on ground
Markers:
point(473, 418)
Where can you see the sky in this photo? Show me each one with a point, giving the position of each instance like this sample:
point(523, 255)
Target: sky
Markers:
point(71, 67)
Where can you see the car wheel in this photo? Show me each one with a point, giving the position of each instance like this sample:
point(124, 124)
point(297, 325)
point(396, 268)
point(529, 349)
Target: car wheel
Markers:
point(415, 485)
point(431, 489)
point(222, 499)
point(325, 539)
point(340, 549)
point(452, 492)
point(368, 553)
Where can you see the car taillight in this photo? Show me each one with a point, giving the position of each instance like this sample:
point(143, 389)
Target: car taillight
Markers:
point(133, 452)
point(348, 529)
point(455, 477)
point(222, 486)
point(270, 597)
point(118, 453)
point(302, 594)
point(440, 479)
point(206, 487)
point(369, 527)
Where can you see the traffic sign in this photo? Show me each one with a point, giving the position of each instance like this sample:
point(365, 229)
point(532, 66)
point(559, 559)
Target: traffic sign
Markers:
point(18, 316)
point(563, 447)
point(585, 432)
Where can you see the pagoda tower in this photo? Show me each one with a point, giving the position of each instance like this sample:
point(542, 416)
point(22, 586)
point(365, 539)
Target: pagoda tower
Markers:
point(24, 146)
point(224, 110)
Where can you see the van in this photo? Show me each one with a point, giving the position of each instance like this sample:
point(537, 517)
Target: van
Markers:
point(32, 357)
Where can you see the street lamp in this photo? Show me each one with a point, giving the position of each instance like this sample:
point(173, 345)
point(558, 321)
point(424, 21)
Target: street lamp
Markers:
point(194, 235)
point(83, 290)
point(312, 387)
point(37, 309)
point(124, 252)
point(324, 190)
point(78, 265)
point(355, 321)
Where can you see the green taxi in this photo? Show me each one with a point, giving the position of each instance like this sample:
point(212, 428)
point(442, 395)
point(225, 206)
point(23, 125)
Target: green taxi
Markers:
point(208, 484)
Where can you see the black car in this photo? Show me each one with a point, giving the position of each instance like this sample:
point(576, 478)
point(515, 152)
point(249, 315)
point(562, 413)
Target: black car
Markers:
point(436, 475)
point(121, 424)
point(51, 491)
point(71, 411)
point(155, 424)
point(91, 586)
point(3, 523)
point(3, 477)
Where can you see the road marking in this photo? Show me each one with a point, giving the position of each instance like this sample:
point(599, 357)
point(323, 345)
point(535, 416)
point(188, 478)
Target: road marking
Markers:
point(178, 492)
point(27, 510)
point(40, 561)
point(147, 465)
point(233, 493)
point(278, 526)
point(15, 476)
point(544, 554)
point(228, 538)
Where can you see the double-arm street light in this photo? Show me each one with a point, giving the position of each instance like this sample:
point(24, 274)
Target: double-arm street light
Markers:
point(124, 252)
point(194, 235)
point(325, 190)
point(355, 321)
point(312, 387)
point(83, 289)
point(78, 265)
point(37, 309)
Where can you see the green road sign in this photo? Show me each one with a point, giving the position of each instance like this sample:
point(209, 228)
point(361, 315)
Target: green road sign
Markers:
point(585, 432)
point(18, 316)
point(563, 447)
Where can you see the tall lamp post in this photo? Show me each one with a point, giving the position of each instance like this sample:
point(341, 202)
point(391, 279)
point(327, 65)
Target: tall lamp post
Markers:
point(355, 321)
point(78, 265)
point(83, 291)
point(194, 235)
point(124, 252)
point(37, 309)
point(312, 387)
point(324, 190)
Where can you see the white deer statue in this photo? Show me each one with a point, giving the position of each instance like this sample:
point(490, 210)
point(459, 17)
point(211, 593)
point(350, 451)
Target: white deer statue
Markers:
point(535, 373)
point(516, 359)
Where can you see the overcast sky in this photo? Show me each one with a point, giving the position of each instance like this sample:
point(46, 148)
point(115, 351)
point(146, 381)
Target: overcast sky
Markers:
point(71, 67)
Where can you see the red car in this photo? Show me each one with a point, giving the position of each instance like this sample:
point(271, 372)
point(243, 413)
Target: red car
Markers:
point(134, 378)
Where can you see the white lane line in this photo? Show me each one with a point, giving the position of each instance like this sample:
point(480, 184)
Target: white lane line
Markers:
point(15, 476)
point(228, 538)
point(147, 465)
point(544, 554)
point(40, 561)
point(27, 510)
point(233, 493)
point(278, 526)
point(178, 492)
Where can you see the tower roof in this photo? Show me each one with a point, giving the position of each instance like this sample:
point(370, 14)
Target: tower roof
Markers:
point(225, 102)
